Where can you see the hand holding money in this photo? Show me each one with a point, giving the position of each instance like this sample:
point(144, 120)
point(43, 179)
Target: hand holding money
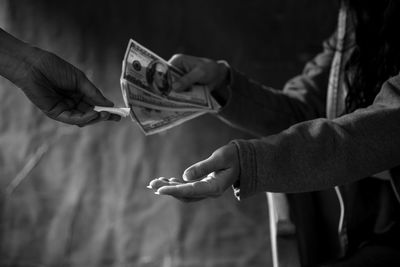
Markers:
point(147, 88)
point(198, 70)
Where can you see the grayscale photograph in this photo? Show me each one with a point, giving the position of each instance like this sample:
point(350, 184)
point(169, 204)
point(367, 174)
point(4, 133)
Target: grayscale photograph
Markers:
point(202, 133)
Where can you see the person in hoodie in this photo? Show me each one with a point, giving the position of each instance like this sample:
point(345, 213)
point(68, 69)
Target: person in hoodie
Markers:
point(329, 140)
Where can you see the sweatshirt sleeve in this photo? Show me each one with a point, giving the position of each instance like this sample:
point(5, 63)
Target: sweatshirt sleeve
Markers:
point(262, 110)
point(321, 153)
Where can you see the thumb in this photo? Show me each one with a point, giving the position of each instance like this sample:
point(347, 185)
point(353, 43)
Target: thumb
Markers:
point(186, 81)
point(91, 93)
point(202, 168)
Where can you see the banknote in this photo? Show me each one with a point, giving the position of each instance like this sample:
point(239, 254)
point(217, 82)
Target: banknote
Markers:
point(152, 121)
point(146, 85)
point(152, 74)
point(123, 112)
point(136, 97)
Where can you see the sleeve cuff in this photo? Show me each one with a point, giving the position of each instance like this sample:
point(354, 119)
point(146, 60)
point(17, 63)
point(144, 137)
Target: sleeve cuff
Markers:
point(223, 93)
point(246, 185)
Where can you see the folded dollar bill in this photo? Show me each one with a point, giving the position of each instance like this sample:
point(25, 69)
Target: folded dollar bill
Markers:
point(146, 84)
point(123, 112)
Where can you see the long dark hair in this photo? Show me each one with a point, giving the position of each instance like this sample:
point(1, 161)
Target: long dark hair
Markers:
point(376, 55)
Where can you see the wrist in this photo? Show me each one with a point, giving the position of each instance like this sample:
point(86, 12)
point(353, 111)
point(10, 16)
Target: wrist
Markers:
point(220, 91)
point(16, 57)
point(223, 74)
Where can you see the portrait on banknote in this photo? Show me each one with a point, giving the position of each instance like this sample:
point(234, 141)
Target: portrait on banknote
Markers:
point(152, 74)
point(158, 77)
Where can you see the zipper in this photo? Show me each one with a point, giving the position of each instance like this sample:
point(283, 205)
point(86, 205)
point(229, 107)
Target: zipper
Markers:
point(342, 230)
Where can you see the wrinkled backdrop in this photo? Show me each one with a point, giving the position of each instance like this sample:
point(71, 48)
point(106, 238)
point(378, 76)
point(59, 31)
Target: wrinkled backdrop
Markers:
point(77, 196)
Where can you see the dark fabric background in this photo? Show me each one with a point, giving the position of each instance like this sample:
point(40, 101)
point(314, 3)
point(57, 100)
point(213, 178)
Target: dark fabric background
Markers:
point(82, 197)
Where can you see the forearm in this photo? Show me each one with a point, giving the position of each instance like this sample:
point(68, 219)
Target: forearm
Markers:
point(322, 153)
point(15, 57)
point(255, 108)
point(262, 110)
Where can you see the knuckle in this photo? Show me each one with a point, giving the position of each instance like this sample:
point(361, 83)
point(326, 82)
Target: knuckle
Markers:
point(218, 190)
point(185, 80)
point(218, 157)
point(175, 58)
point(178, 55)
point(200, 71)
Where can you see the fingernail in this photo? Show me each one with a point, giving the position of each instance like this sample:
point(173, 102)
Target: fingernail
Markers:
point(156, 192)
point(176, 86)
point(185, 175)
point(149, 187)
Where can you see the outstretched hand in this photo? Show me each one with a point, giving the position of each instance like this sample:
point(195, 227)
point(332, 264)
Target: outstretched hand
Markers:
point(62, 91)
point(207, 178)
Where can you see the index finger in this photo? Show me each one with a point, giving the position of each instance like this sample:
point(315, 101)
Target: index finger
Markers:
point(188, 80)
point(198, 189)
point(77, 117)
point(192, 72)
